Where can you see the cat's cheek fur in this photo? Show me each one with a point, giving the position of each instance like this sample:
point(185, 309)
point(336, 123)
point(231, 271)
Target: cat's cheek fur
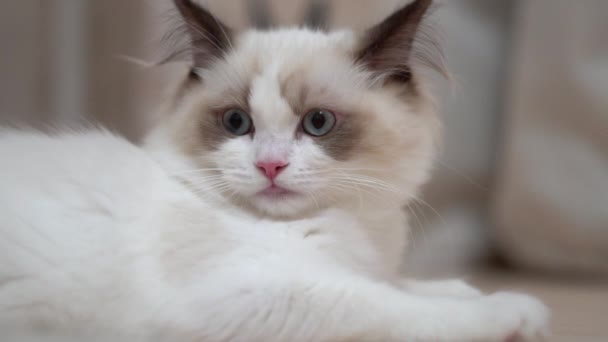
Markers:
point(234, 161)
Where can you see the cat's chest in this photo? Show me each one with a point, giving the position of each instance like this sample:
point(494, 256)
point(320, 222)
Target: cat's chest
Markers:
point(332, 237)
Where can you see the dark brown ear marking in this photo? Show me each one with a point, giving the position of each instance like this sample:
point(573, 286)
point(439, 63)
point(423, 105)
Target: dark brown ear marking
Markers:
point(387, 47)
point(210, 39)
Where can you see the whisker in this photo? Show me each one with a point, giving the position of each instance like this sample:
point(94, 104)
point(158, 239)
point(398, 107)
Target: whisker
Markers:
point(205, 180)
point(421, 201)
point(197, 170)
point(354, 185)
point(421, 228)
point(462, 175)
point(312, 196)
point(371, 182)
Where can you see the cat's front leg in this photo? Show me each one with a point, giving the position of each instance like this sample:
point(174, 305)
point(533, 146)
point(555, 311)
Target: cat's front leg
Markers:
point(307, 306)
point(451, 288)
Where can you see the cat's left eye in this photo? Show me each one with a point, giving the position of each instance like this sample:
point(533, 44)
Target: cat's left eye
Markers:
point(237, 122)
point(318, 122)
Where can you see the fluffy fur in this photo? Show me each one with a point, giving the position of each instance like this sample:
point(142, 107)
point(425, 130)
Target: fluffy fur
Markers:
point(174, 241)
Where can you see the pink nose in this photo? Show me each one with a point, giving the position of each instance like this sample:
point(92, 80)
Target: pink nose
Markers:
point(271, 168)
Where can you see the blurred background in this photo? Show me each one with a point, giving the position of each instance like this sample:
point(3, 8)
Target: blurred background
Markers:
point(520, 192)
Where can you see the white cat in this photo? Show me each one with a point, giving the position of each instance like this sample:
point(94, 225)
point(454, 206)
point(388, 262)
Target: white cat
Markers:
point(267, 207)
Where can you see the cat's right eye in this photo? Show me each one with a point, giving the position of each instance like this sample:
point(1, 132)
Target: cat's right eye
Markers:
point(237, 122)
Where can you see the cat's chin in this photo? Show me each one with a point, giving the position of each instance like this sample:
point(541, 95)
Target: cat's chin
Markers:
point(281, 202)
point(277, 193)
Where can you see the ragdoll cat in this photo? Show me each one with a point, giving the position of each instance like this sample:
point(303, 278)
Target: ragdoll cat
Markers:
point(266, 207)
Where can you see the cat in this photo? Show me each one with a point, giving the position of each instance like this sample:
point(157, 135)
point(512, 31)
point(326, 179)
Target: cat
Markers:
point(266, 207)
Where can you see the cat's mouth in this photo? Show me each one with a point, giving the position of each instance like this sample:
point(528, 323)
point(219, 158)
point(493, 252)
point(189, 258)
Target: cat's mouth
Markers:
point(275, 191)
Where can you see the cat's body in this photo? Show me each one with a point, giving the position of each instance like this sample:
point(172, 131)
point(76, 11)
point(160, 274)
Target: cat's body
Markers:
point(279, 220)
point(77, 251)
point(72, 247)
point(81, 256)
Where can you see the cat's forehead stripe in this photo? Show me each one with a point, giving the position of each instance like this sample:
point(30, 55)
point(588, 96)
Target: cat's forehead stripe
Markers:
point(295, 92)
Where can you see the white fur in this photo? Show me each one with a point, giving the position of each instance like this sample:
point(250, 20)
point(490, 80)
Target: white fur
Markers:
point(103, 238)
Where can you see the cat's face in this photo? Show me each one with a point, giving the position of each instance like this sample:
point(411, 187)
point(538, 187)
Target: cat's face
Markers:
point(288, 121)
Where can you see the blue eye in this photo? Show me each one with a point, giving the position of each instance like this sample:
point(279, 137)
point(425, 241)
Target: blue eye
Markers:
point(237, 122)
point(318, 122)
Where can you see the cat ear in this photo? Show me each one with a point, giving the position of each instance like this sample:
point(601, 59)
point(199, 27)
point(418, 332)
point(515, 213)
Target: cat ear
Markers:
point(386, 48)
point(209, 37)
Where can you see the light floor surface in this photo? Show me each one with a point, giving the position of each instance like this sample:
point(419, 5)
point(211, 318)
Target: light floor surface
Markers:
point(579, 308)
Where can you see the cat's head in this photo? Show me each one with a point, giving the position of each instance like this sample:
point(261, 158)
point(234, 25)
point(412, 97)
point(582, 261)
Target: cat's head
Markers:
point(288, 121)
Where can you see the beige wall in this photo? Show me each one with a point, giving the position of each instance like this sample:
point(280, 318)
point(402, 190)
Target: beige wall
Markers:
point(23, 76)
point(60, 61)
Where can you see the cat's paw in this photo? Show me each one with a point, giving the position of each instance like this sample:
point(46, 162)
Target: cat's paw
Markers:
point(513, 317)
